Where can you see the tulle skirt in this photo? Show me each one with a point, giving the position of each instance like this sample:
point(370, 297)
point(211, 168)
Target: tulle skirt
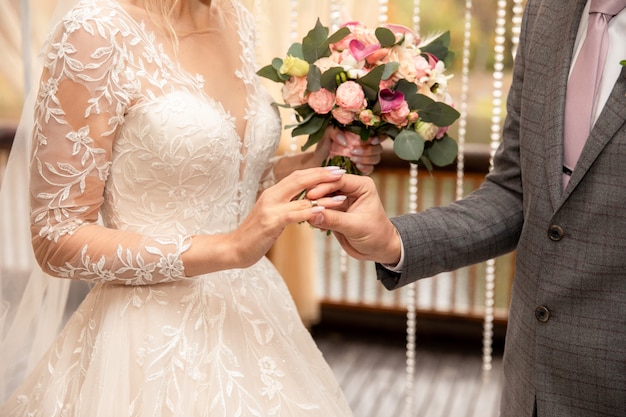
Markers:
point(224, 344)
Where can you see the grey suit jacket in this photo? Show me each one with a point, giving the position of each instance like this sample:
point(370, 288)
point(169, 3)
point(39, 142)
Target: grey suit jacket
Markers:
point(566, 336)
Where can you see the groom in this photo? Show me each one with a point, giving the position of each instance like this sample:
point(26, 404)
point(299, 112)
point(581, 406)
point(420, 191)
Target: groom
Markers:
point(559, 204)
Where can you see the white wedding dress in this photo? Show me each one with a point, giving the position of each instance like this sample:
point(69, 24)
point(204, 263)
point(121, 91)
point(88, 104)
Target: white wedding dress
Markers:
point(117, 195)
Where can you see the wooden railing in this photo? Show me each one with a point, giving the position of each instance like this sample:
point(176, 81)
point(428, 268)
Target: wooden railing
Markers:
point(349, 284)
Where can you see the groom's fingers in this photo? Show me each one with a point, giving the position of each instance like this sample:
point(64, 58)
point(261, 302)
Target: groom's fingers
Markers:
point(352, 186)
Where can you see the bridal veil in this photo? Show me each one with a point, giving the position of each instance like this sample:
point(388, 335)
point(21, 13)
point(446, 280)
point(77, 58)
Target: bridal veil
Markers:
point(33, 305)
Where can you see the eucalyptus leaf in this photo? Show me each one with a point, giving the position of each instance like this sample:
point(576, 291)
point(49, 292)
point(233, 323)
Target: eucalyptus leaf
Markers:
point(426, 162)
point(419, 102)
point(295, 50)
point(385, 37)
point(314, 79)
point(438, 113)
point(270, 73)
point(329, 78)
point(304, 111)
point(371, 82)
point(407, 88)
point(390, 68)
point(408, 145)
point(337, 36)
point(442, 151)
point(314, 44)
point(310, 126)
point(438, 46)
point(317, 135)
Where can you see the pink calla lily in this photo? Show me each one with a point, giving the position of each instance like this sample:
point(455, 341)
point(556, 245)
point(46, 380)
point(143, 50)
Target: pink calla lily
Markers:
point(390, 100)
point(403, 30)
point(432, 59)
point(359, 51)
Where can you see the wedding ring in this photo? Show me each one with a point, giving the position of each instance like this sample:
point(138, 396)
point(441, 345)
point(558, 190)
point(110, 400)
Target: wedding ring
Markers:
point(314, 203)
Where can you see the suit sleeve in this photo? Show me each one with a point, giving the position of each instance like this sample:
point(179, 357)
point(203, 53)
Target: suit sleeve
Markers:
point(485, 224)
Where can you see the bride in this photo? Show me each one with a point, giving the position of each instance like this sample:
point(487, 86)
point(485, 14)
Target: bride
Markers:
point(151, 138)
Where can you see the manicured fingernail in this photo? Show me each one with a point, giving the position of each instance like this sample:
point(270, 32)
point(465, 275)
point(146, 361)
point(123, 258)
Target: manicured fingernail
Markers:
point(339, 197)
point(338, 171)
point(375, 141)
point(317, 209)
point(355, 159)
point(357, 151)
point(341, 138)
point(365, 169)
point(331, 167)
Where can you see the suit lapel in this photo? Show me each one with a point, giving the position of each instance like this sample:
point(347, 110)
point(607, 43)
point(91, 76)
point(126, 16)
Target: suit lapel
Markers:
point(610, 120)
point(562, 29)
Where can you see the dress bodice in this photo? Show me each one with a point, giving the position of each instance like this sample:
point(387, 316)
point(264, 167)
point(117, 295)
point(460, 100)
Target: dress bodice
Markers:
point(179, 166)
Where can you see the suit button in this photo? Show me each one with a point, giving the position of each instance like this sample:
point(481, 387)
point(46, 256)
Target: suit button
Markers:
point(555, 233)
point(542, 314)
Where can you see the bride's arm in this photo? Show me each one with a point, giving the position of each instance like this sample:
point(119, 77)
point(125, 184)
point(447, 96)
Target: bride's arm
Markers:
point(82, 99)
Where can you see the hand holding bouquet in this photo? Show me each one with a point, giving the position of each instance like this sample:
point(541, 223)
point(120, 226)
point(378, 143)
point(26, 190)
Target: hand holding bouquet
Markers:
point(381, 83)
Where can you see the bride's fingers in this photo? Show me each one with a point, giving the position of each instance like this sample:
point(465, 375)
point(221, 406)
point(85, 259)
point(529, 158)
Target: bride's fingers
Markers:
point(292, 186)
point(328, 202)
point(305, 209)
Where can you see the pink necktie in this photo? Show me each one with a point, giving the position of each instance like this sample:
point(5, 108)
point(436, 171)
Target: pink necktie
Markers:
point(584, 80)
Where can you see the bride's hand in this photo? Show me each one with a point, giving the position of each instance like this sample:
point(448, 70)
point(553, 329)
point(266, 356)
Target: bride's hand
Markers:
point(278, 207)
point(365, 154)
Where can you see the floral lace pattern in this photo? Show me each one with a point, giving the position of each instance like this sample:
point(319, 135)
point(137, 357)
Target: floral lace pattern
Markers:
point(116, 194)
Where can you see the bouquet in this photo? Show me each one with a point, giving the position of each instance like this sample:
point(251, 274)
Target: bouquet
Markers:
point(382, 83)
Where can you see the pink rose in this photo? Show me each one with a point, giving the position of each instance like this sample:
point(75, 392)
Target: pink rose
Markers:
point(321, 101)
point(350, 96)
point(327, 62)
point(293, 91)
point(343, 116)
point(368, 118)
point(398, 116)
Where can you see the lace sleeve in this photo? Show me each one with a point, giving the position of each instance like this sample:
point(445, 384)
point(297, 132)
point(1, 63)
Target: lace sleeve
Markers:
point(83, 95)
point(268, 178)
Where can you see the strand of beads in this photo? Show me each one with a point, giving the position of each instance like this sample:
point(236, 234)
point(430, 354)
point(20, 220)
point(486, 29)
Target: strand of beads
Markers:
point(293, 36)
point(496, 126)
point(518, 10)
point(411, 291)
point(460, 165)
point(411, 307)
point(335, 15)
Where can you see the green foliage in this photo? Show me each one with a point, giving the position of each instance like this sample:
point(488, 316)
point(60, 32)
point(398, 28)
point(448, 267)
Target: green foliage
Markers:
point(316, 44)
point(385, 37)
point(408, 145)
point(439, 48)
point(442, 152)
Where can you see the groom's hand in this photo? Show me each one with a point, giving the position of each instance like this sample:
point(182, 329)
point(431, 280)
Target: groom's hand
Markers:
point(360, 224)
